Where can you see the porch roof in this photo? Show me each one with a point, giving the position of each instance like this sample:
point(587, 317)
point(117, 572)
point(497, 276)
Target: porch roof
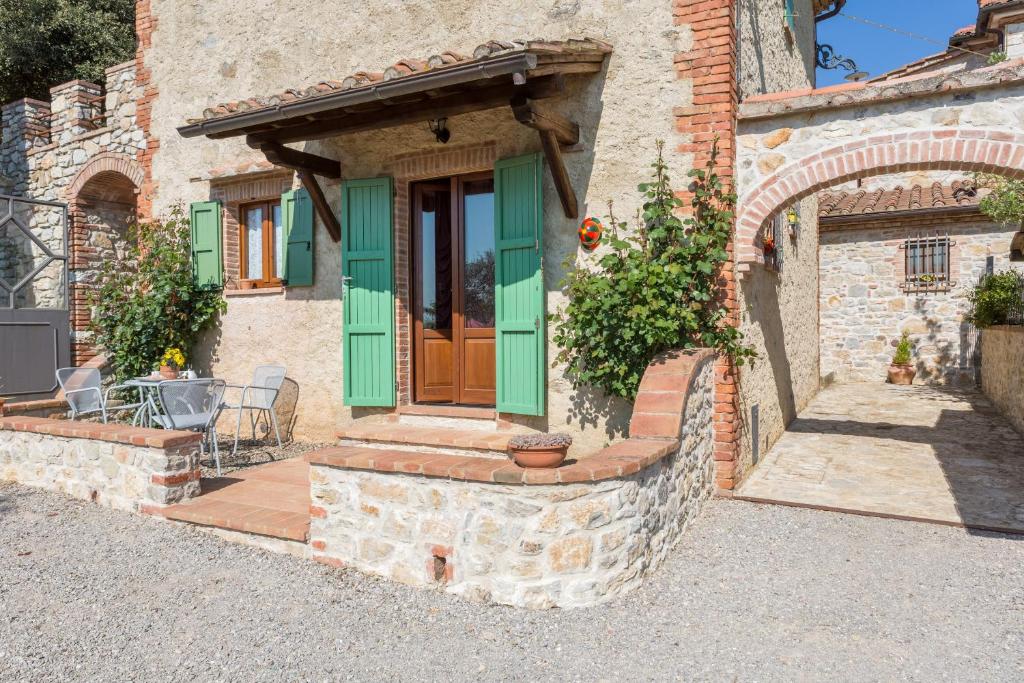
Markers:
point(881, 202)
point(408, 91)
point(512, 74)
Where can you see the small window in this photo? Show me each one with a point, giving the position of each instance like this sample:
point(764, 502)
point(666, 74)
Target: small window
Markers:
point(927, 267)
point(771, 243)
point(261, 243)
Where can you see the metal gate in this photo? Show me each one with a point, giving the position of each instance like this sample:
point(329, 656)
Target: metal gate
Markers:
point(35, 336)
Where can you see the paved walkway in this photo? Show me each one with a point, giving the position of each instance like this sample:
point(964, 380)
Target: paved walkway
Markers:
point(750, 593)
point(920, 453)
point(270, 500)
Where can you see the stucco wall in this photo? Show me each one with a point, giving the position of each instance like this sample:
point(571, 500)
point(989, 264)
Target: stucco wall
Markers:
point(779, 311)
point(771, 57)
point(232, 55)
point(864, 310)
point(1002, 371)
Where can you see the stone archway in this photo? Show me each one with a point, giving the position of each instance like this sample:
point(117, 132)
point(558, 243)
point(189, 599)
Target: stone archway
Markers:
point(988, 151)
point(102, 205)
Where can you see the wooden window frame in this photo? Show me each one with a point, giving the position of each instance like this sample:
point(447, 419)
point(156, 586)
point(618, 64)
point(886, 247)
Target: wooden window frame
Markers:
point(271, 278)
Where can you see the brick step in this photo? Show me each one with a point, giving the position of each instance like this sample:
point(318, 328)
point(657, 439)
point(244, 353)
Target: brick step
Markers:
point(249, 519)
point(430, 439)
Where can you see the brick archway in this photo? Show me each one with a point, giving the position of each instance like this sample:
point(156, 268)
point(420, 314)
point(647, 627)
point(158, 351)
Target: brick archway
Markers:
point(988, 151)
point(105, 163)
point(102, 203)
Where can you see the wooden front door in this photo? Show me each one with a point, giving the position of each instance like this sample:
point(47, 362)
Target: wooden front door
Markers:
point(453, 283)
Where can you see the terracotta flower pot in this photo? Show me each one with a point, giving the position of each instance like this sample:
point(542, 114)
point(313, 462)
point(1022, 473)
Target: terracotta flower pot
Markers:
point(902, 374)
point(2, 401)
point(539, 456)
point(247, 284)
point(167, 372)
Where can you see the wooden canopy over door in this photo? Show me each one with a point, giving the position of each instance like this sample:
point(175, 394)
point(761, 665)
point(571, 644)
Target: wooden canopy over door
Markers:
point(453, 291)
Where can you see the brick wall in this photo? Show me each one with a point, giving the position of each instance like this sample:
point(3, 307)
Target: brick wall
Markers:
point(711, 66)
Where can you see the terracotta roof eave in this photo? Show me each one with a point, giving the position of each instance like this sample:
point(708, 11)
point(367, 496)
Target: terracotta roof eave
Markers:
point(456, 74)
point(875, 216)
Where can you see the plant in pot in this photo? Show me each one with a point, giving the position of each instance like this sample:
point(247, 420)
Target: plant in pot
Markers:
point(172, 362)
point(902, 371)
point(539, 450)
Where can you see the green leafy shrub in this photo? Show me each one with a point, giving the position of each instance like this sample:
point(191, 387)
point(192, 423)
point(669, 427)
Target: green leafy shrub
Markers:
point(1005, 203)
point(148, 302)
point(656, 290)
point(995, 298)
point(903, 349)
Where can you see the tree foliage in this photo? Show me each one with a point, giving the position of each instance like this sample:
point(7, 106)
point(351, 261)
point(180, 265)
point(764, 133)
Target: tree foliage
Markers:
point(47, 42)
point(1005, 203)
point(148, 302)
point(655, 290)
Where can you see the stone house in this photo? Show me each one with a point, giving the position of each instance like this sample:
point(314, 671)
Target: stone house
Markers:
point(356, 189)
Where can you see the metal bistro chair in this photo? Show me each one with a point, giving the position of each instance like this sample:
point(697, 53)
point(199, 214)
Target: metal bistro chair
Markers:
point(83, 390)
point(192, 405)
point(258, 397)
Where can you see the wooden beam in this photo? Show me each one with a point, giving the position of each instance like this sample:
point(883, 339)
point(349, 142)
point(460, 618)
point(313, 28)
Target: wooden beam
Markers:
point(323, 209)
point(399, 114)
point(279, 155)
point(529, 113)
point(553, 153)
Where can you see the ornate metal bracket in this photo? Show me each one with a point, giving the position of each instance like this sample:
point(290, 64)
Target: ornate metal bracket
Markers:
point(828, 59)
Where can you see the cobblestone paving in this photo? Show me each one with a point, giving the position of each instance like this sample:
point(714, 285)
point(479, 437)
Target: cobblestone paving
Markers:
point(913, 452)
point(751, 593)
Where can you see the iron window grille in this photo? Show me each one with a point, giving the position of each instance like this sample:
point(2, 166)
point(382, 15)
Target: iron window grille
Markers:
point(927, 264)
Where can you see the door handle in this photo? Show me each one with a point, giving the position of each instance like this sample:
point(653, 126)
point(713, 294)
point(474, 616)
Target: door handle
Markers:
point(345, 280)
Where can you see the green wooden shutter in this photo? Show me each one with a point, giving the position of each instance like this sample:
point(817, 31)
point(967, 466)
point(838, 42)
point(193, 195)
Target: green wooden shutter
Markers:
point(298, 238)
point(519, 284)
point(207, 264)
point(369, 305)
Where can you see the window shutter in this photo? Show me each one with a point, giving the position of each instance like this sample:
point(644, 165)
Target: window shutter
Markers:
point(298, 238)
point(368, 301)
point(519, 284)
point(207, 264)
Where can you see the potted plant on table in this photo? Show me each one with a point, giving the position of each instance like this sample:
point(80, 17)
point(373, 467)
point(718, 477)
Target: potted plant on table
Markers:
point(902, 371)
point(539, 450)
point(172, 362)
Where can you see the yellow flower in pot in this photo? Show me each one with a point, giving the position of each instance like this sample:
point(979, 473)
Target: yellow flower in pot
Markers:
point(172, 362)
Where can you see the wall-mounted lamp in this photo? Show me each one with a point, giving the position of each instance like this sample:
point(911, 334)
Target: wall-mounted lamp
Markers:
point(439, 127)
point(792, 221)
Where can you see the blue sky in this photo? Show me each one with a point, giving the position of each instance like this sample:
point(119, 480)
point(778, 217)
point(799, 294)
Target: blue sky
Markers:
point(876, 50)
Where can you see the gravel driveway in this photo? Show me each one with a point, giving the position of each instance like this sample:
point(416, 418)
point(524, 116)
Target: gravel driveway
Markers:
point(752, 593)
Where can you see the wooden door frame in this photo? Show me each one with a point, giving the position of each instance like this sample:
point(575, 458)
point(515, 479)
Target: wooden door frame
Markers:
point(455, 185)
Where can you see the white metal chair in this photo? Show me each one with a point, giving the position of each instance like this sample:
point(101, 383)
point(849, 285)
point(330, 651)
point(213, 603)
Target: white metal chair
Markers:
point(192, 405)
point(258, 397)
point(83, 390)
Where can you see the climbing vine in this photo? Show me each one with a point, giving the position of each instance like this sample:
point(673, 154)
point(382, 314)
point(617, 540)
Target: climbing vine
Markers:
point(148, 301)
point(656, 289)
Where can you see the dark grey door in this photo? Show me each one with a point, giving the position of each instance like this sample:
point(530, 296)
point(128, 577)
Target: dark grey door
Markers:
point(35, 336)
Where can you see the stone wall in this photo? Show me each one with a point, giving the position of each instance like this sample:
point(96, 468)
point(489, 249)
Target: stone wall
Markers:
point(451, 522)
point(126, 468)
point(864, 309)
point(1002, 371)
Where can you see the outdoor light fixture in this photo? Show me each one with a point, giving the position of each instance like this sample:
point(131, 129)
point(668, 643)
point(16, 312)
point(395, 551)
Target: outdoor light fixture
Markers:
point(828, 59)
point(792, 220)
point(439, 127)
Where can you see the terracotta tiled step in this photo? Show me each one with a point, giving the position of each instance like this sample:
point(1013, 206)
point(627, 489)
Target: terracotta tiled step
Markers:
point(437, 437)
point(269, 500)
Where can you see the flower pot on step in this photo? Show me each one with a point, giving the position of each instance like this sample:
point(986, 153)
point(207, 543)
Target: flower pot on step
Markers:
point(902, 374)
point(539, 450)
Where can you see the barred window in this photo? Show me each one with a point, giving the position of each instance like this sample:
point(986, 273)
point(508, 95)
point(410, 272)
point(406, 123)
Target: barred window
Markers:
point(927, 264)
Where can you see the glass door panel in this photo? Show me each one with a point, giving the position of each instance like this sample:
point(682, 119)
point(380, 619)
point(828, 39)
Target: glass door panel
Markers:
point(478, 363)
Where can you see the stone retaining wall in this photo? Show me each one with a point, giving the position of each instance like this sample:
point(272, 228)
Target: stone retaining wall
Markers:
point(1002, 371)
point(488, 530)
point(125, 468)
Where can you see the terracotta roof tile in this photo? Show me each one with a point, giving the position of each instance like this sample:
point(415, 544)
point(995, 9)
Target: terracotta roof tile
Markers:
point(837, 204)
point(407, 67)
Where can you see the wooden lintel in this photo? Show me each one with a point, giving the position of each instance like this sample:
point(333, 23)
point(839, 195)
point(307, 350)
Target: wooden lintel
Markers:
point(529, 113)
point(323, 209)
point(279, 155)
point(401, 113)
point(553, 154)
